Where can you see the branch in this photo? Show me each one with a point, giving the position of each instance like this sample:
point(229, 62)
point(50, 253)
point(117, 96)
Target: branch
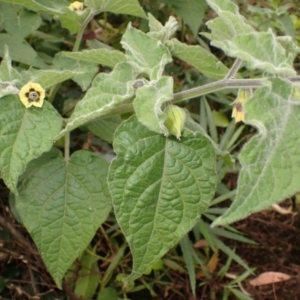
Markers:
point(235, 67)
point(227, 83)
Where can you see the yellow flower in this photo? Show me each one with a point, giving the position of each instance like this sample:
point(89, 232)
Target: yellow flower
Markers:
point(76, 6)
point(238, 111)
point(175, 120)
point(32, 94)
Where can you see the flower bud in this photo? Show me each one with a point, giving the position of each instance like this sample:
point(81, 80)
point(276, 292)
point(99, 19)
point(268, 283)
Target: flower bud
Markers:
point(238, 111)
point(175, 120)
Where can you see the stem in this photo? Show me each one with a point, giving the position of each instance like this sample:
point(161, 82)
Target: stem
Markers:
point(76, 46)
point(56, 87)
point(196, 92)
point(217, 86)
point(235, 67)
point(81, 30)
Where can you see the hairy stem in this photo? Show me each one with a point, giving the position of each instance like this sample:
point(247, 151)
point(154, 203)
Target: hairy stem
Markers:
point(196, 92)
point(76, 46)
point(234, 69)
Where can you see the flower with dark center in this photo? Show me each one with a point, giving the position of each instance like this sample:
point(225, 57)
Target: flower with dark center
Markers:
point(76, 6)
point(32, 94)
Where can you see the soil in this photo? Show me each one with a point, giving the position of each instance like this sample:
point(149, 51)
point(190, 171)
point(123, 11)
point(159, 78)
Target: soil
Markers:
point(278, 250)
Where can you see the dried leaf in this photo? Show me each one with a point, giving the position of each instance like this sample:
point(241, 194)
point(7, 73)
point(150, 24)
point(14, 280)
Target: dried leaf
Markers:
point(201, 244)
point(283, 211)
point(210, 267)
point(269, 278)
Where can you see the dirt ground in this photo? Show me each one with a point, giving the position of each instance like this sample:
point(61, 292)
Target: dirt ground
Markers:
point(278, 250)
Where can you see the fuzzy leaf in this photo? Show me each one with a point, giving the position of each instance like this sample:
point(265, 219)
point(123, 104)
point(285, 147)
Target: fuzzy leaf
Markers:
point(25, 134)
point(19, 23)
point(129, 7)
point(148, 103)
point(99, 56)
point(71, 20)
point(160, 32)
point(204, 61)
point(46, 78)
point(105, 128)
point(8, 76)
point(41, 5)
point(83, 72)
point(20, 51)
point(69, 200)
point(270, 160)
point(147, 54)
point(159, 186)
point(7, 72)
point(261, 50)
point(191, 11)
point(107, 92)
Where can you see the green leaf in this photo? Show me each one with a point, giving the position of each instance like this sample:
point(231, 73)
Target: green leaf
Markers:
point(129, 7)
point(148, 103)
point(223, 5)
point(146, 54)
point(287, 25)
point(69, 200)
point(105, 128)
point(108, 293)
point(46, 78)
point(8, 76)
point(114, 263)
point(25, 134)
point(83, 72)
point(261, 50)
point(7, 72)
point(107, 92)
point(19, 22)
point(41, 5)
point(160, 32)
point(159, 187)
point(88, 275)
point(72, 20)
point(99, 56)
point(267, 176)
point(198, 57)
point(20, 51)
point(191, 11)
point(290, 47)
point(220, 119)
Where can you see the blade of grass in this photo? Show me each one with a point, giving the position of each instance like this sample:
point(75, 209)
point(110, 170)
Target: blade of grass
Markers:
point(239, 294)
point(112, 266)
point(234, 138)
point(211, 124)
point(203, 118)
point(187, 250)
point(205, 230)
point(225, 268)
point(229, 252)
point(227, 134)
point(223, 197)
point(231, 235)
